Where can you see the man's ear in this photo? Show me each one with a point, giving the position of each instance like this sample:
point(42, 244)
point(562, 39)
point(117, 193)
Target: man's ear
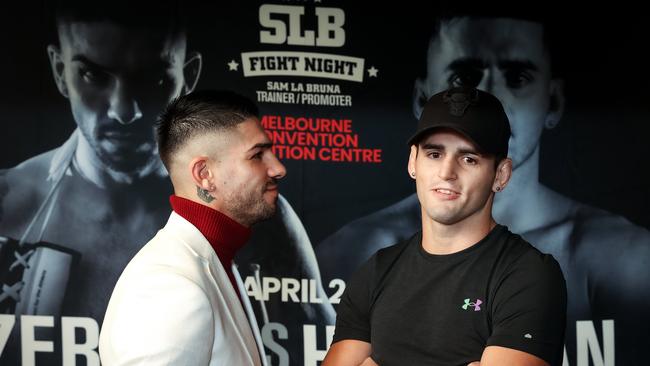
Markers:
point(201, 174)
point(58, 69)
point(192, 71)
point(503, 174)
point(420, 97)
point(412, 157)
point(556, 103)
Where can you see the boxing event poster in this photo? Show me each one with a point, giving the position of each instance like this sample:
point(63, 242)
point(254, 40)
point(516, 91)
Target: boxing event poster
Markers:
point(338, 86)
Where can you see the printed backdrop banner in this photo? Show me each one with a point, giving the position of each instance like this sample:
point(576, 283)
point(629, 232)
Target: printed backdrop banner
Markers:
point(339, 87)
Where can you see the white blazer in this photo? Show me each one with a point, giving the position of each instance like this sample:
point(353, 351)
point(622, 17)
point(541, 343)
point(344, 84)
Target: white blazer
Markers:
point(174, 305)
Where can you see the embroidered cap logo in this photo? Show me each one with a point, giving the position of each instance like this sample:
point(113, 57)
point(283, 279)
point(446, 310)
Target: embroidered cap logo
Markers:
point(458, 101)
point(475, 305)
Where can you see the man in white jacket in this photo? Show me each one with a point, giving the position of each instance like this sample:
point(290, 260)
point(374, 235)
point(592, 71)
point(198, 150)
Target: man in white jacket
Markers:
point(180, 300)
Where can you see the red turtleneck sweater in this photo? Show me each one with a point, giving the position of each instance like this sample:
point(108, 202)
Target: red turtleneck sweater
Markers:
point(226, 236)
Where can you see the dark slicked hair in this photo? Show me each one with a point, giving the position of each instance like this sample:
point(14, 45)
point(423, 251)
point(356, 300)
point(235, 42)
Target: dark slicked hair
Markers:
point(200, 112)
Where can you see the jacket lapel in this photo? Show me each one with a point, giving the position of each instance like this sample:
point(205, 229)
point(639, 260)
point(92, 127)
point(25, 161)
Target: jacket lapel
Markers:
point(228, 302)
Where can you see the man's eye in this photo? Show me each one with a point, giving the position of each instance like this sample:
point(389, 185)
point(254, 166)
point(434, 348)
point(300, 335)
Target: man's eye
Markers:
point(466, 78)
point(94, 77)
point(516, 79)
point(469, 160)
point(163, 81)
point(434, 154)
point(258, 156)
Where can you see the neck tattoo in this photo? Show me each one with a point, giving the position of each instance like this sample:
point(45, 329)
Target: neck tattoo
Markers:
point(204, 195)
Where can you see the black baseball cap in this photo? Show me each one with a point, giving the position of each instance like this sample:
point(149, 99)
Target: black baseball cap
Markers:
point(474, 113)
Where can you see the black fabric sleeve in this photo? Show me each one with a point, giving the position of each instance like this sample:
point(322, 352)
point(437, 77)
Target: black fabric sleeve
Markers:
point(529, 308)
point(353, 312)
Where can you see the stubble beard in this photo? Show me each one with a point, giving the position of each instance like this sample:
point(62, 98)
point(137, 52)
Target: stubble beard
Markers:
point(251, 209)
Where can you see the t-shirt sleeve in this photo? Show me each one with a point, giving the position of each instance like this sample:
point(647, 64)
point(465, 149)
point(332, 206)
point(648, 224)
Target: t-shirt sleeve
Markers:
point(529, 308)
point(353, 312)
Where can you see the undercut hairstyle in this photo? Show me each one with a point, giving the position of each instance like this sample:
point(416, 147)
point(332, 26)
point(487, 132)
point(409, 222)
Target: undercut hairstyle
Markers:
point(199, 113)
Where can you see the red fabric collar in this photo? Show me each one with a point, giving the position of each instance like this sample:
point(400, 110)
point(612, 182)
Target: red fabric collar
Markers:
point(226, 236)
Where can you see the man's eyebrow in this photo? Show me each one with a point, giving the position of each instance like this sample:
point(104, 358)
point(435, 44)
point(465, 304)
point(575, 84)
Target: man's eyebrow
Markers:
point(262, 145)
point(462, 150)
point(518, 65)
point(85, 60)
point(468, 151)
point(428, 146)
point(476, 63)
point(164, 63)
point(467, 62)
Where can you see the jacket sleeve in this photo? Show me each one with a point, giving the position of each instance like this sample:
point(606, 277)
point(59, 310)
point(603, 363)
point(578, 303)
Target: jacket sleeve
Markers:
point(159, 318)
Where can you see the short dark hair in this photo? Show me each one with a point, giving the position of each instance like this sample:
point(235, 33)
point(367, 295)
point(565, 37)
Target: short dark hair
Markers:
point(168, 15)
point(201, 111)
point(450, 10)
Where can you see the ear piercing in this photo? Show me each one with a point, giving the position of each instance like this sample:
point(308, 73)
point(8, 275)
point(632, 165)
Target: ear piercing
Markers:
point(413, 174)
point(497, 188)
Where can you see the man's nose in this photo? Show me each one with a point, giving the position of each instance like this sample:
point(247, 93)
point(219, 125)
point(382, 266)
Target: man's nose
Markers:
point(487, 81)
point(447, 169)
point(124, 107)
point(276, 168)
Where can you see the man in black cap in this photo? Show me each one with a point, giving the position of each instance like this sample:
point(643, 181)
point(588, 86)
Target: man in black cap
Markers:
point(465, 288)
point(604, 257)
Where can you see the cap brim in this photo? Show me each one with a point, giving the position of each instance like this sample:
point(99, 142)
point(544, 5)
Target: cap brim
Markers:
point(418, 136)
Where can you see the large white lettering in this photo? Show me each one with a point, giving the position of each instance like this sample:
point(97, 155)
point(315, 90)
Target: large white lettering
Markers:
point(272, 345)
point(291, 289)
point(313, 354)
point(329, 22)
point(7, 323)
point(587, 344)
point(69, 347)
point(29, 343)
point(87, 349)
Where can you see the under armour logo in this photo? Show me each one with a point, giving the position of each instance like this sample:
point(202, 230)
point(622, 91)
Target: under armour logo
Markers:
point(459, 99)
point(476, 304)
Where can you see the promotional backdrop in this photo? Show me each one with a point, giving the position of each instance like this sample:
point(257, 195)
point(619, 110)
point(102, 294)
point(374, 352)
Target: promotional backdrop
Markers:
point(339, 88)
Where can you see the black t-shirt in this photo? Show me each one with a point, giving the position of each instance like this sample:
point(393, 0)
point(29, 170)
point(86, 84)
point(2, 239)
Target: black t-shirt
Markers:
point(416, 308)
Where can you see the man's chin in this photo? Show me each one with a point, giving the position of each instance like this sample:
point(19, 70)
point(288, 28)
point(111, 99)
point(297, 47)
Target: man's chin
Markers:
point(132, 166)
point(447, 218)
point(268, 213)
